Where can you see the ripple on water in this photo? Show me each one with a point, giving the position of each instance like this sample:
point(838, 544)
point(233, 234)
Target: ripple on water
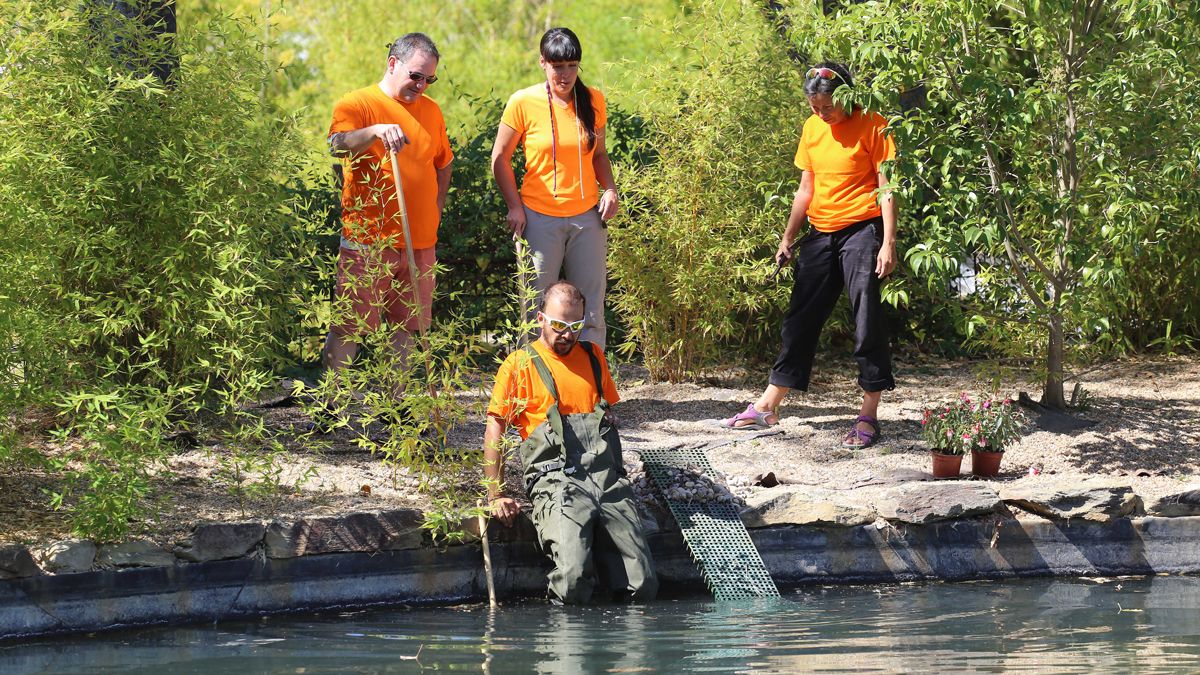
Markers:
point(1059, 625)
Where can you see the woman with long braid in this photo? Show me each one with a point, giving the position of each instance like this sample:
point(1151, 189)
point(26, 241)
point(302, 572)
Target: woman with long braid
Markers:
point(568, 191)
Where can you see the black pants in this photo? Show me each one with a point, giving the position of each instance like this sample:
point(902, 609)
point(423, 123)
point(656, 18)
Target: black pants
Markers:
point(824, 263)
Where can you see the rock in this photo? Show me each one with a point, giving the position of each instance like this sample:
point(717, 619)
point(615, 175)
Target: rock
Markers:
point(806, 505)
point(363, 531)
point(66, 557)
point(220, 541)
point(1186, 503)
point(1095, 500)
point(134, 554)
point(945, 500)
point(16, 561)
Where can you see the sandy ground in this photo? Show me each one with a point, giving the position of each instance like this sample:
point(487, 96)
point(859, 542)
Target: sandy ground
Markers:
point(1144, 415)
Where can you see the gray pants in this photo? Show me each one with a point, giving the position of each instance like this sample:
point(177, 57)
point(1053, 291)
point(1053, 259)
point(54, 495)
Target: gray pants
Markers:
point(574, 249)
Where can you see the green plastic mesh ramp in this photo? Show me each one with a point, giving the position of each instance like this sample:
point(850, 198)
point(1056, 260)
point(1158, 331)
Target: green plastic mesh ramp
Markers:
point(715, 535)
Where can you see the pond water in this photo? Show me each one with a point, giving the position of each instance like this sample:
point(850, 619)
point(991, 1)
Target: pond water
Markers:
point(1062, 625)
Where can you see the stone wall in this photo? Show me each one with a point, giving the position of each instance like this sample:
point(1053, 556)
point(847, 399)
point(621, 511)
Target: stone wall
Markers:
point(942, 530)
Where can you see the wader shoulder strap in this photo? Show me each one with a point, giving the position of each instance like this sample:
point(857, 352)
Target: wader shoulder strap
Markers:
point(588, 349)
point(543, 371)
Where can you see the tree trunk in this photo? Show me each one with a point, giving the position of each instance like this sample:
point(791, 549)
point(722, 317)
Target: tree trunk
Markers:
point(1052, 392)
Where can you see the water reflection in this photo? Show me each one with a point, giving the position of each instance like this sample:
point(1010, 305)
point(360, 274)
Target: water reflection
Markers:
point(1076, 625)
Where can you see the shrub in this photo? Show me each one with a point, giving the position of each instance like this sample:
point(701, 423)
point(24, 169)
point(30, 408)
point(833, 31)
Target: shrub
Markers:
point(147, 248)
point(689, 260)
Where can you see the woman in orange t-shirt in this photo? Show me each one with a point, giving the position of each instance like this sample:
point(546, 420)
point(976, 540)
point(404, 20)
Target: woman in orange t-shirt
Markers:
point(851, 244)
point(568, 191)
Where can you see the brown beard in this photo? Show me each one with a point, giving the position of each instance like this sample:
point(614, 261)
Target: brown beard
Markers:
point(558, 345)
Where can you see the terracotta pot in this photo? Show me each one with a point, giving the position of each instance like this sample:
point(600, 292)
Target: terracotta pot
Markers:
point(946, 466)
point(984, 463)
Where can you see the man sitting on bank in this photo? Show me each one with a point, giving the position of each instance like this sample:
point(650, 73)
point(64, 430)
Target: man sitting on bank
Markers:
point(558, 392)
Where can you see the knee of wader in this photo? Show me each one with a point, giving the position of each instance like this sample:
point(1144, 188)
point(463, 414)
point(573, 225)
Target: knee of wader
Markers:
point(574, 588)
point(648, 589)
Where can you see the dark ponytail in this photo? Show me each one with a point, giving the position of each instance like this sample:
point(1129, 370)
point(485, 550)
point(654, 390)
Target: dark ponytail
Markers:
point(561, 44)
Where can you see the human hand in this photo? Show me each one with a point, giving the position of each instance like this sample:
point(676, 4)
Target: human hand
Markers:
point(612, 418)
point(516, 221)
point(609, 204)
point(392, 136)
point(783, 254)
point(505, 509)
point(886, 262)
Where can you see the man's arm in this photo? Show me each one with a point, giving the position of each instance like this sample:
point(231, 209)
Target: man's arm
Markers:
point(346, 143)
point(443, 183)
point(504, 508)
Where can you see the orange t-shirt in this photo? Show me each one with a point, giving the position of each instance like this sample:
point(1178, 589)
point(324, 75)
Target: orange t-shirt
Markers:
point(519, 397)
point(369, 174)
point(528, 113)
point(844, 159)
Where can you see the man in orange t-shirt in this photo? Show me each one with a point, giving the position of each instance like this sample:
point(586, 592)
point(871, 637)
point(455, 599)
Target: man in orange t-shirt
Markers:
point(369, 124)
point(558, 394)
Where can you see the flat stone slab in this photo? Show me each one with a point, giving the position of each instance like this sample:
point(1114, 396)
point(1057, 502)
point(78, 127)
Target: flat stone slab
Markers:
point(221, 541)
point(806, 505)
point(1095, 500)
point(66, 557)
point(931, 502)
point(1185, 503)
point(16, 561)
point(134, 554)
point(362, 531)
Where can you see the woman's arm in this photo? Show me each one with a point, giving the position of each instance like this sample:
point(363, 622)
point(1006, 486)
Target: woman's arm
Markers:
point(609, 199)
point(506, 180)
point(796, 219)
point(887, 250)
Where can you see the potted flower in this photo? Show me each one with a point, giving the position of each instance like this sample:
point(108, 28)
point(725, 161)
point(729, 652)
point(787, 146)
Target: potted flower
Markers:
point(984, 428)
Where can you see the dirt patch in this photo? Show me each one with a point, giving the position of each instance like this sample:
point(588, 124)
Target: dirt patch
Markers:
point(1144, 415)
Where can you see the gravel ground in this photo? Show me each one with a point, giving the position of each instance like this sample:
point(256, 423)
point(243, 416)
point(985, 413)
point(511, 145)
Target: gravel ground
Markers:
point(1144, 418)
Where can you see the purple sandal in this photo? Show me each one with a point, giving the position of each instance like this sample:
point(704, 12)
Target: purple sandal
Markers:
point(859, 439)
point(756, 420)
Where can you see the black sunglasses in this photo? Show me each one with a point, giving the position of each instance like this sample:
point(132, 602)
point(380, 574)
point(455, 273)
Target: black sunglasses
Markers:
point(417, 77)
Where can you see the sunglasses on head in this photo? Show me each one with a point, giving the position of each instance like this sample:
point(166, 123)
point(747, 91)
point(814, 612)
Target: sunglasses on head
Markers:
point(827, 73)
point(560, 326)
point(417, 77)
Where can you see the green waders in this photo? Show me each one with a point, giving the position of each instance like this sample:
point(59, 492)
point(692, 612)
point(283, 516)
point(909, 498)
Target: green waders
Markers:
point(575, 477)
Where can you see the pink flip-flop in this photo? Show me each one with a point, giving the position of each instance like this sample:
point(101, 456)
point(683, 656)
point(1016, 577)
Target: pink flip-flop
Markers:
point(859, 439)
point(754, 420)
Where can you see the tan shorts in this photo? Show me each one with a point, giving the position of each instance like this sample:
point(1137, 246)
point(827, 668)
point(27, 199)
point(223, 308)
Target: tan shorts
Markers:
point(378, 285)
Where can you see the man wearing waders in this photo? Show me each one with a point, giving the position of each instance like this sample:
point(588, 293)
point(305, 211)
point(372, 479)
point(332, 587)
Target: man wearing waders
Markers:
point(558, 392)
